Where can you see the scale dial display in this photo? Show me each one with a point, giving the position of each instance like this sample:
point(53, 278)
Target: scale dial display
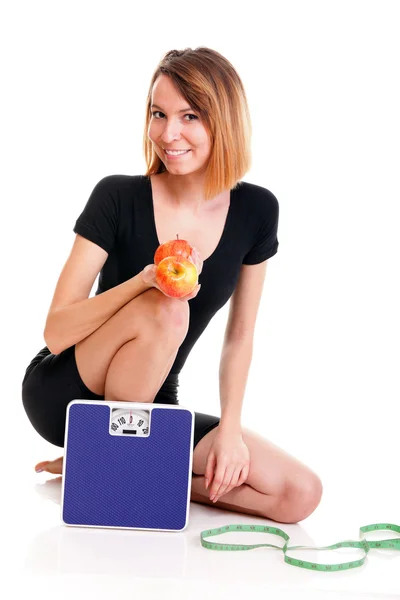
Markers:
point(129, 422)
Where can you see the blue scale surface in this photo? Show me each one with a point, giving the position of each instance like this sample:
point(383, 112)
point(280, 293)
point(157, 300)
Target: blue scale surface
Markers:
point(123, 480)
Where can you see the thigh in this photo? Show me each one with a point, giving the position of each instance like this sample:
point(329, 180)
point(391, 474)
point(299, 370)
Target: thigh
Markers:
point(47, 391)
point(150, 314)
point(53, 380)
point(273, 471)
point(203, 424)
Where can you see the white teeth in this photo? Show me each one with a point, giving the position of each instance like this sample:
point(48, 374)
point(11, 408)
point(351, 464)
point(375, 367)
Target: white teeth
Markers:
point(175, 153)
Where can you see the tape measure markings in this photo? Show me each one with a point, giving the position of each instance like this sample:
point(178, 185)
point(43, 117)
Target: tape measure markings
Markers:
point(363, 544)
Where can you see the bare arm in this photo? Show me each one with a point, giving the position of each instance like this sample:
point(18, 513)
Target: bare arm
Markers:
point(237, 349)
point(73, 315)
point(70, 324)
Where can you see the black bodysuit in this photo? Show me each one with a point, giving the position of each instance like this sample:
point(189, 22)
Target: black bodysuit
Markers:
point(119, 217)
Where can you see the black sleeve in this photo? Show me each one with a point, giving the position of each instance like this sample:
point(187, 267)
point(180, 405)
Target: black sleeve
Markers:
point(98, 221)
point(266, 242)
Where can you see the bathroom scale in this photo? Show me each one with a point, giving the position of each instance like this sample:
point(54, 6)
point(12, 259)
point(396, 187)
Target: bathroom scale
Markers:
point(127, 465)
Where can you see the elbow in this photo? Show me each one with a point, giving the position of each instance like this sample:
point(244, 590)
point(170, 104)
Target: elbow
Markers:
point(50, 339)
point(50, 342)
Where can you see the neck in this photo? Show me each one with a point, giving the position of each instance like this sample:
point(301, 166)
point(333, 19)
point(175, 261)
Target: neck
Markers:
point(187, 192)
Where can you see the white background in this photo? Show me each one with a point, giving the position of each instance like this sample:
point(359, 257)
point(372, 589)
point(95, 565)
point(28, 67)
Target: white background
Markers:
point(322, 81)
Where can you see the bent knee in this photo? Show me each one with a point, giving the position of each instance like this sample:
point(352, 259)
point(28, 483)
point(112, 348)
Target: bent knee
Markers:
point(306, 497)
point(170, 315)
point(301, 499)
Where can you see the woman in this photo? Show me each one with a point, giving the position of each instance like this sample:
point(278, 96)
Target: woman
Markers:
point(197, 148)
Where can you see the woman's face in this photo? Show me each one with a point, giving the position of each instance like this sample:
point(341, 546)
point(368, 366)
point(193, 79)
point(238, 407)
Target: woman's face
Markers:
point(176, 126)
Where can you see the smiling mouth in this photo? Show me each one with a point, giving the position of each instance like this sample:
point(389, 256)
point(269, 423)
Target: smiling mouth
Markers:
point(181, 154)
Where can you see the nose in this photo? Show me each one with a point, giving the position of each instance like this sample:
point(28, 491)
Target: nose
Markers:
point(171, 131)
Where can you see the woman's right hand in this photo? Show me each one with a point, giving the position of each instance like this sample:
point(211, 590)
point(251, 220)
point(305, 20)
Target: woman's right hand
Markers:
point(149, 277)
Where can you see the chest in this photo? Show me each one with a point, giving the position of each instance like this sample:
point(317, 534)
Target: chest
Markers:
point(203, 231)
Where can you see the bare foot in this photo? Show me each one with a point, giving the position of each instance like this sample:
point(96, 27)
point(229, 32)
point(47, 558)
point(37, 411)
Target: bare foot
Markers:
point(51, 466)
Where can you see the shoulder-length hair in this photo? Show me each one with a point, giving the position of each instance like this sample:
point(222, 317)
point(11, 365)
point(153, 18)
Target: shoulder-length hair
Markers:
point(213, 88)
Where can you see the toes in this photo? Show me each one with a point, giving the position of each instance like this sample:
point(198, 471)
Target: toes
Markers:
point(53, 466)
point(41, 466)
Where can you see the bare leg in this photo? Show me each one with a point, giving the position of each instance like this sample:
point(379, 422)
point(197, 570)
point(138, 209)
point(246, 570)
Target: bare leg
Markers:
point(137, 367)
point(278, 486)
point(126, 383)
point(242, 499)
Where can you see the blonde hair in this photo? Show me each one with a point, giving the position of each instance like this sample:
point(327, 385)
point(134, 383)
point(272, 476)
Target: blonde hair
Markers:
point(213, 88)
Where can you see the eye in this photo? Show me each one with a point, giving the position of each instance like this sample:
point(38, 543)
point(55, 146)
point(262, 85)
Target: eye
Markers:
point(187, 115)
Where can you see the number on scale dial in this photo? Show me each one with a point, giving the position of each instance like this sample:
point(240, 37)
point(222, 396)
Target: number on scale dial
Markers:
point(129, 422)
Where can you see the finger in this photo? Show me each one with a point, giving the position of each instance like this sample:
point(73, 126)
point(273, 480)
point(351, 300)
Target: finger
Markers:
point(192, 294)
point(187, 297)
point(239, 476)
point(209, 470)
point(244, 475)
point(199, 264)
point(149, 273)
point(233, 482)
point(197, 260)
point(144, 274)
point(217, 480)
point(225, 484)
point(220, 481)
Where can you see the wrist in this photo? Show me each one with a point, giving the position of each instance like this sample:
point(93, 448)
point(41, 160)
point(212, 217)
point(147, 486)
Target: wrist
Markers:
point(230, 427)
point(145, 281)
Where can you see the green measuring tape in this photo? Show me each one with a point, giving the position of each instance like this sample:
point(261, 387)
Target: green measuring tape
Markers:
point(393, 544)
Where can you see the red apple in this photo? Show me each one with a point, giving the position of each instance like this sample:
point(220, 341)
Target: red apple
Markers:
point(178, 248)
point(176, 276)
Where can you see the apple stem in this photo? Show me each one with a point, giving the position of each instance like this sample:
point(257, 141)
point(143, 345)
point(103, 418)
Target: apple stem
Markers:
point(177, 236)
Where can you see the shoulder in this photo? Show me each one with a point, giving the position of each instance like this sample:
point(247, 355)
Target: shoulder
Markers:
point(118, 191)
point(121, 182)
point(260, 200)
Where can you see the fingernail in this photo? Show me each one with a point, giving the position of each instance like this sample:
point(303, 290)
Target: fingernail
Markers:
point(38, 470)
